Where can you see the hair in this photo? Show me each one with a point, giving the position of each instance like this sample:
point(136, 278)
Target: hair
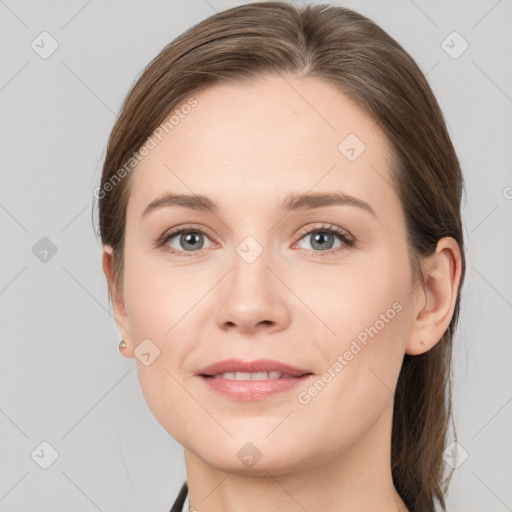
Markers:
point(346, 49)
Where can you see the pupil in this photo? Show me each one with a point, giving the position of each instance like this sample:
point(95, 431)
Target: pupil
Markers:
point(189, 239)
point(320, 238)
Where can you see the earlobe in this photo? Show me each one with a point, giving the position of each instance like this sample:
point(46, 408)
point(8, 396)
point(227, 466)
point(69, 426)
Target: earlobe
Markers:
point(118, 305)
point(436, 299)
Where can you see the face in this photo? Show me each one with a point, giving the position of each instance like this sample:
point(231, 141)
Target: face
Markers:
point(322, 286)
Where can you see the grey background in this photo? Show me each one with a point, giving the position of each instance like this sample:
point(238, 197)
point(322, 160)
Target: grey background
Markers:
point(63, 380)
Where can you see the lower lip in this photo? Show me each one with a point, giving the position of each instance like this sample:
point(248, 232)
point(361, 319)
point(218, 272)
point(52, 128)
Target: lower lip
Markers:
point(253, 389)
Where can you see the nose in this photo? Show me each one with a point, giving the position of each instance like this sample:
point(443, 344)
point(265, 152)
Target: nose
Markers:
point(252, 297)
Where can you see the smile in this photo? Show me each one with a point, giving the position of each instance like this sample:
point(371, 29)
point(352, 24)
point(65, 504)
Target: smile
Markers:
point(252, 376)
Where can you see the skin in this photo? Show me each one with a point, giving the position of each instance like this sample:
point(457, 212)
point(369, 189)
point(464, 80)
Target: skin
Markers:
point(247, 147)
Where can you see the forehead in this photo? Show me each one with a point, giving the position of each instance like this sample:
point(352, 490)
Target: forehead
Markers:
point(264, 140)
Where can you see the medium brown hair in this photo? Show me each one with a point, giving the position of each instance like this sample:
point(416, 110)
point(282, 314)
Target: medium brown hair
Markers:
point(350, 51)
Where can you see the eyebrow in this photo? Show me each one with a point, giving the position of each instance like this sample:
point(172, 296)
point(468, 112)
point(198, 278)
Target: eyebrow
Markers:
point(291, 202)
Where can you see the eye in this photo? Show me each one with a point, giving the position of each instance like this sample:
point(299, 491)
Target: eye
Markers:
point(185, 240)
point(324, 237)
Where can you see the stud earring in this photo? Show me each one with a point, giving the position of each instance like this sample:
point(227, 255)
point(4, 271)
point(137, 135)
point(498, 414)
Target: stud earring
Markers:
point(122, 344)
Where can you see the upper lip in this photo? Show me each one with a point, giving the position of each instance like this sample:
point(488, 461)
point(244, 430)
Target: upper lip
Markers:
point(260, 365)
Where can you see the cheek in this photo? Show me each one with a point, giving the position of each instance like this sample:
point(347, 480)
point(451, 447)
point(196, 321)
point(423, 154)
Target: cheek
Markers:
point(154, 296)
point(370, 324)
point(160, 305)
point(365, 295)
point(359, 378)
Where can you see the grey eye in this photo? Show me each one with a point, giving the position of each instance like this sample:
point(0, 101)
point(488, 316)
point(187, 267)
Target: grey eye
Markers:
point(187, 240)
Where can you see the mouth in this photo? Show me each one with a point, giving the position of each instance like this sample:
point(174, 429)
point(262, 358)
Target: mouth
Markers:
point(252, 380)
point(271, 375)
point(261, 369)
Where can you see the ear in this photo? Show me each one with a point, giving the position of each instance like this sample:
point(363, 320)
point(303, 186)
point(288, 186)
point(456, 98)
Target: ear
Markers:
point(118, 305)
point(435, 301)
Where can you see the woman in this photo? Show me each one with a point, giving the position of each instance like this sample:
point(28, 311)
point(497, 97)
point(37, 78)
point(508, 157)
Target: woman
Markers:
point(280, 216)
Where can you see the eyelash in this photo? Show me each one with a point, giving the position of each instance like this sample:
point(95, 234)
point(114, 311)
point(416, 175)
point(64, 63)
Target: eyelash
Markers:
point(347, 239)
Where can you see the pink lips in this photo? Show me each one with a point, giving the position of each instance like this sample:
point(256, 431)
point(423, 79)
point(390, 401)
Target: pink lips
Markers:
point(252, 389)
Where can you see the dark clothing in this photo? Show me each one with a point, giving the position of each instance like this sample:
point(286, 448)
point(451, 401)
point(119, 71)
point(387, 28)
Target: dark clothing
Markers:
point(180, 500)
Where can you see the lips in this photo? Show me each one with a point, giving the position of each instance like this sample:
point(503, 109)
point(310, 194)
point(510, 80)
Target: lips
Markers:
point(260, 365)
point(252, 380)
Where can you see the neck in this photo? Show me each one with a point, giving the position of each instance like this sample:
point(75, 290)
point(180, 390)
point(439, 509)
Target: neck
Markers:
point(355, 479)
